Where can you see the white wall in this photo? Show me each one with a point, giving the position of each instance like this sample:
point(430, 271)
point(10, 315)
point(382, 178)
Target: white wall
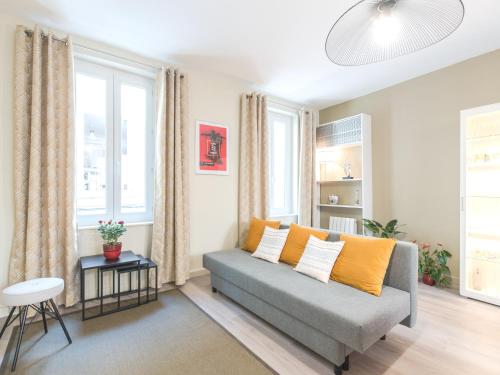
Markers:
point(213, 199)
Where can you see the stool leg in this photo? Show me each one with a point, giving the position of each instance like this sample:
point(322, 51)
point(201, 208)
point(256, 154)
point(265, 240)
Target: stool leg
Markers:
point(22, 322)
point(42, 309)
point(58, 316)
point(7, 322)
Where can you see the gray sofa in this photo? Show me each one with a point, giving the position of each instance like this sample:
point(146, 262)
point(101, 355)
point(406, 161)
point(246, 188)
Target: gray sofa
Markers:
point(331, 319)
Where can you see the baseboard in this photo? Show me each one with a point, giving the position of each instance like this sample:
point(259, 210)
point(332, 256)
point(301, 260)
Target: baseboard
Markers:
point(198, 272)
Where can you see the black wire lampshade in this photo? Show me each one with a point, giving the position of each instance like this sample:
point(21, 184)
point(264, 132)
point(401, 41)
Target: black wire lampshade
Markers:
point(376, 30)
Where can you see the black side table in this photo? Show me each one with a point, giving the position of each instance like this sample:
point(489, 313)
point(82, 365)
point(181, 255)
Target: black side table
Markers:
point(145, 264)
point(101, 264)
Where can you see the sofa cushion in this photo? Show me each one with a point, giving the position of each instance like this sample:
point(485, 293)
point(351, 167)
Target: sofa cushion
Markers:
point(255, 232)
point(271, 244)
point(318, 258)
point(355, 318)
point(297, 241)
point(363, 262)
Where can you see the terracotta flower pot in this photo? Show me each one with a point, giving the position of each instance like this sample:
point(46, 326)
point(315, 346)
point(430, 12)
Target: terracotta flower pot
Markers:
point(428, 280)
point(112, 251)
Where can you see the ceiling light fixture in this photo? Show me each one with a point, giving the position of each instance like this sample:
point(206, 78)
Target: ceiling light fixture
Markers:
point(377, 30)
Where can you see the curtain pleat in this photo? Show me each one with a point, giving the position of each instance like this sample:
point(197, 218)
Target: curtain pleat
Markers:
point(308, 189)
point(170, 243)
point(253, 199)
point(44, 243)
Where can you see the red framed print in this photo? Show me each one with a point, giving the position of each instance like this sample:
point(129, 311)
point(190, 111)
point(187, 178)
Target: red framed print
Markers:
point(212, 142)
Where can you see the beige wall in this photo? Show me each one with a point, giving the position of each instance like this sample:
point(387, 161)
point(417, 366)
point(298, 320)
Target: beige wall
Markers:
point(416, 127)
point(212, 97)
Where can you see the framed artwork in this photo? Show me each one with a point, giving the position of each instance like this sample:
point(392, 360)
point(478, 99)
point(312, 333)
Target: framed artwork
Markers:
point(212, 141)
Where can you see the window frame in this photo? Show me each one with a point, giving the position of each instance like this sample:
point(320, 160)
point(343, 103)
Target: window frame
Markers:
point(293, 140)
point(115, 75)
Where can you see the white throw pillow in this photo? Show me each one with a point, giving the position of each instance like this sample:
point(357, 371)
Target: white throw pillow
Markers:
point(318, 258)
point(271, 244)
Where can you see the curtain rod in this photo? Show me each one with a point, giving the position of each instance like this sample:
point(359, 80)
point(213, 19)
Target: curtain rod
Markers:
point(281, 104)
point(288, 106)
point(30, 33)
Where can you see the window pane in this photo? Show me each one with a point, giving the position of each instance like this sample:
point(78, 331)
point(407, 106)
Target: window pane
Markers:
point(279, 165)
point(283, 183)
point(91, 145)
point(133, 148)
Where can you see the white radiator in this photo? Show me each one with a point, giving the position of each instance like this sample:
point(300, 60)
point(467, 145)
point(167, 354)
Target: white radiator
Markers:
point(343, 224)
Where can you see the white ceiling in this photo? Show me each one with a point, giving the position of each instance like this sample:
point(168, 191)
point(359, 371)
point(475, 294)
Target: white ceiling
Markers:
point(276, 44)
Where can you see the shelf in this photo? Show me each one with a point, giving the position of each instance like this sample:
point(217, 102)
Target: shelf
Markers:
point(339, 206)
point(495, 260)
point(483, 196)
point(483, 165)
point(483, 137)
point(340, 181)
point(484, 236)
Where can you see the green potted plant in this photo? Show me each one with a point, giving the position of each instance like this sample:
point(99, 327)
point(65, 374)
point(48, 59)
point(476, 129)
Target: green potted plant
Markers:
point(110, 232)
point(433, 265)
point(390, 230)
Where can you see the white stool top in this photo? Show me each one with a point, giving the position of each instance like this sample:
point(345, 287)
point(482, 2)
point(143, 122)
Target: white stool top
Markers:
point(32, 291)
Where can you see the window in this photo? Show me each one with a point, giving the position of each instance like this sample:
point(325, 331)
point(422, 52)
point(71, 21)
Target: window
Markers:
point(114, 144)
point(283, 162)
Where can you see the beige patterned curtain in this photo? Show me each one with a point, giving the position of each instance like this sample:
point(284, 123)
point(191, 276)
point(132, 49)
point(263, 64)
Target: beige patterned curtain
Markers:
point(254, 162)
point(308, 189)
point(170, 248)
point(44, 242)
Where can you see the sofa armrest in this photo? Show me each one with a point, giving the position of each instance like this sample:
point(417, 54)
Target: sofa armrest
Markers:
point(402, 274)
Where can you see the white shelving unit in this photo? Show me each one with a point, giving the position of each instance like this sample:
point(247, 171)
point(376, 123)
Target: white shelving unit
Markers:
point(480, 203)
point(338, 142)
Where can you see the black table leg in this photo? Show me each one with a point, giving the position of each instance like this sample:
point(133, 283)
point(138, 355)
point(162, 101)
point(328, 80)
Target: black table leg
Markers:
point(138, 282)
point(82, 291)
point(147, 284)
point(156, 283)
point(119, 289)
point(101, 294)
point(130, 282)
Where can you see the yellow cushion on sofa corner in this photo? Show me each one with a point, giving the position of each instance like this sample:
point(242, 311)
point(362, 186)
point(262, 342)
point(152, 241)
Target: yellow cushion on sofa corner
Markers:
point(363, 262)
point(297, 241)
point(255, 232)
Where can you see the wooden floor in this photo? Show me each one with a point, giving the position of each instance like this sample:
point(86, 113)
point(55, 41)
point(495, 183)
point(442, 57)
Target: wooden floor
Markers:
point(453, 335)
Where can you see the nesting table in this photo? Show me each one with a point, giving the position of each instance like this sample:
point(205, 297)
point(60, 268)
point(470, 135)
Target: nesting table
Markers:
point(127, 263)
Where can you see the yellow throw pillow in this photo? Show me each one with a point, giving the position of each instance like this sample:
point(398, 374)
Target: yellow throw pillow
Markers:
point(255, 232)
point(297, 241)
point(362, 263)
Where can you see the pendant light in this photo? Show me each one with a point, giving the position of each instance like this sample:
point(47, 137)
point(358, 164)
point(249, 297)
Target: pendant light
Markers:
point(377, 30)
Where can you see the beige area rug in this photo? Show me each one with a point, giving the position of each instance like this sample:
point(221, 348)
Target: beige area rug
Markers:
point(170, 336)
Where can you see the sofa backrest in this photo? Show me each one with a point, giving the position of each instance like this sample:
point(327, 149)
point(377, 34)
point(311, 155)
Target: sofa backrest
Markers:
point(402, 273)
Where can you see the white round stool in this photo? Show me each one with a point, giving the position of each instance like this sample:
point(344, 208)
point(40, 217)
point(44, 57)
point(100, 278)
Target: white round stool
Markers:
point(37, 294)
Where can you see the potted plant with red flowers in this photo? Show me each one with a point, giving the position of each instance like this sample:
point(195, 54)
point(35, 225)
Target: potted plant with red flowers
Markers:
point(110, 232)
point(432, 265)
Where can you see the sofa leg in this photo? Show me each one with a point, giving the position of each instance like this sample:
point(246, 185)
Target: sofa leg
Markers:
point(383, 338)
point(345, 366)
point(337, 370)
point(214, 290)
